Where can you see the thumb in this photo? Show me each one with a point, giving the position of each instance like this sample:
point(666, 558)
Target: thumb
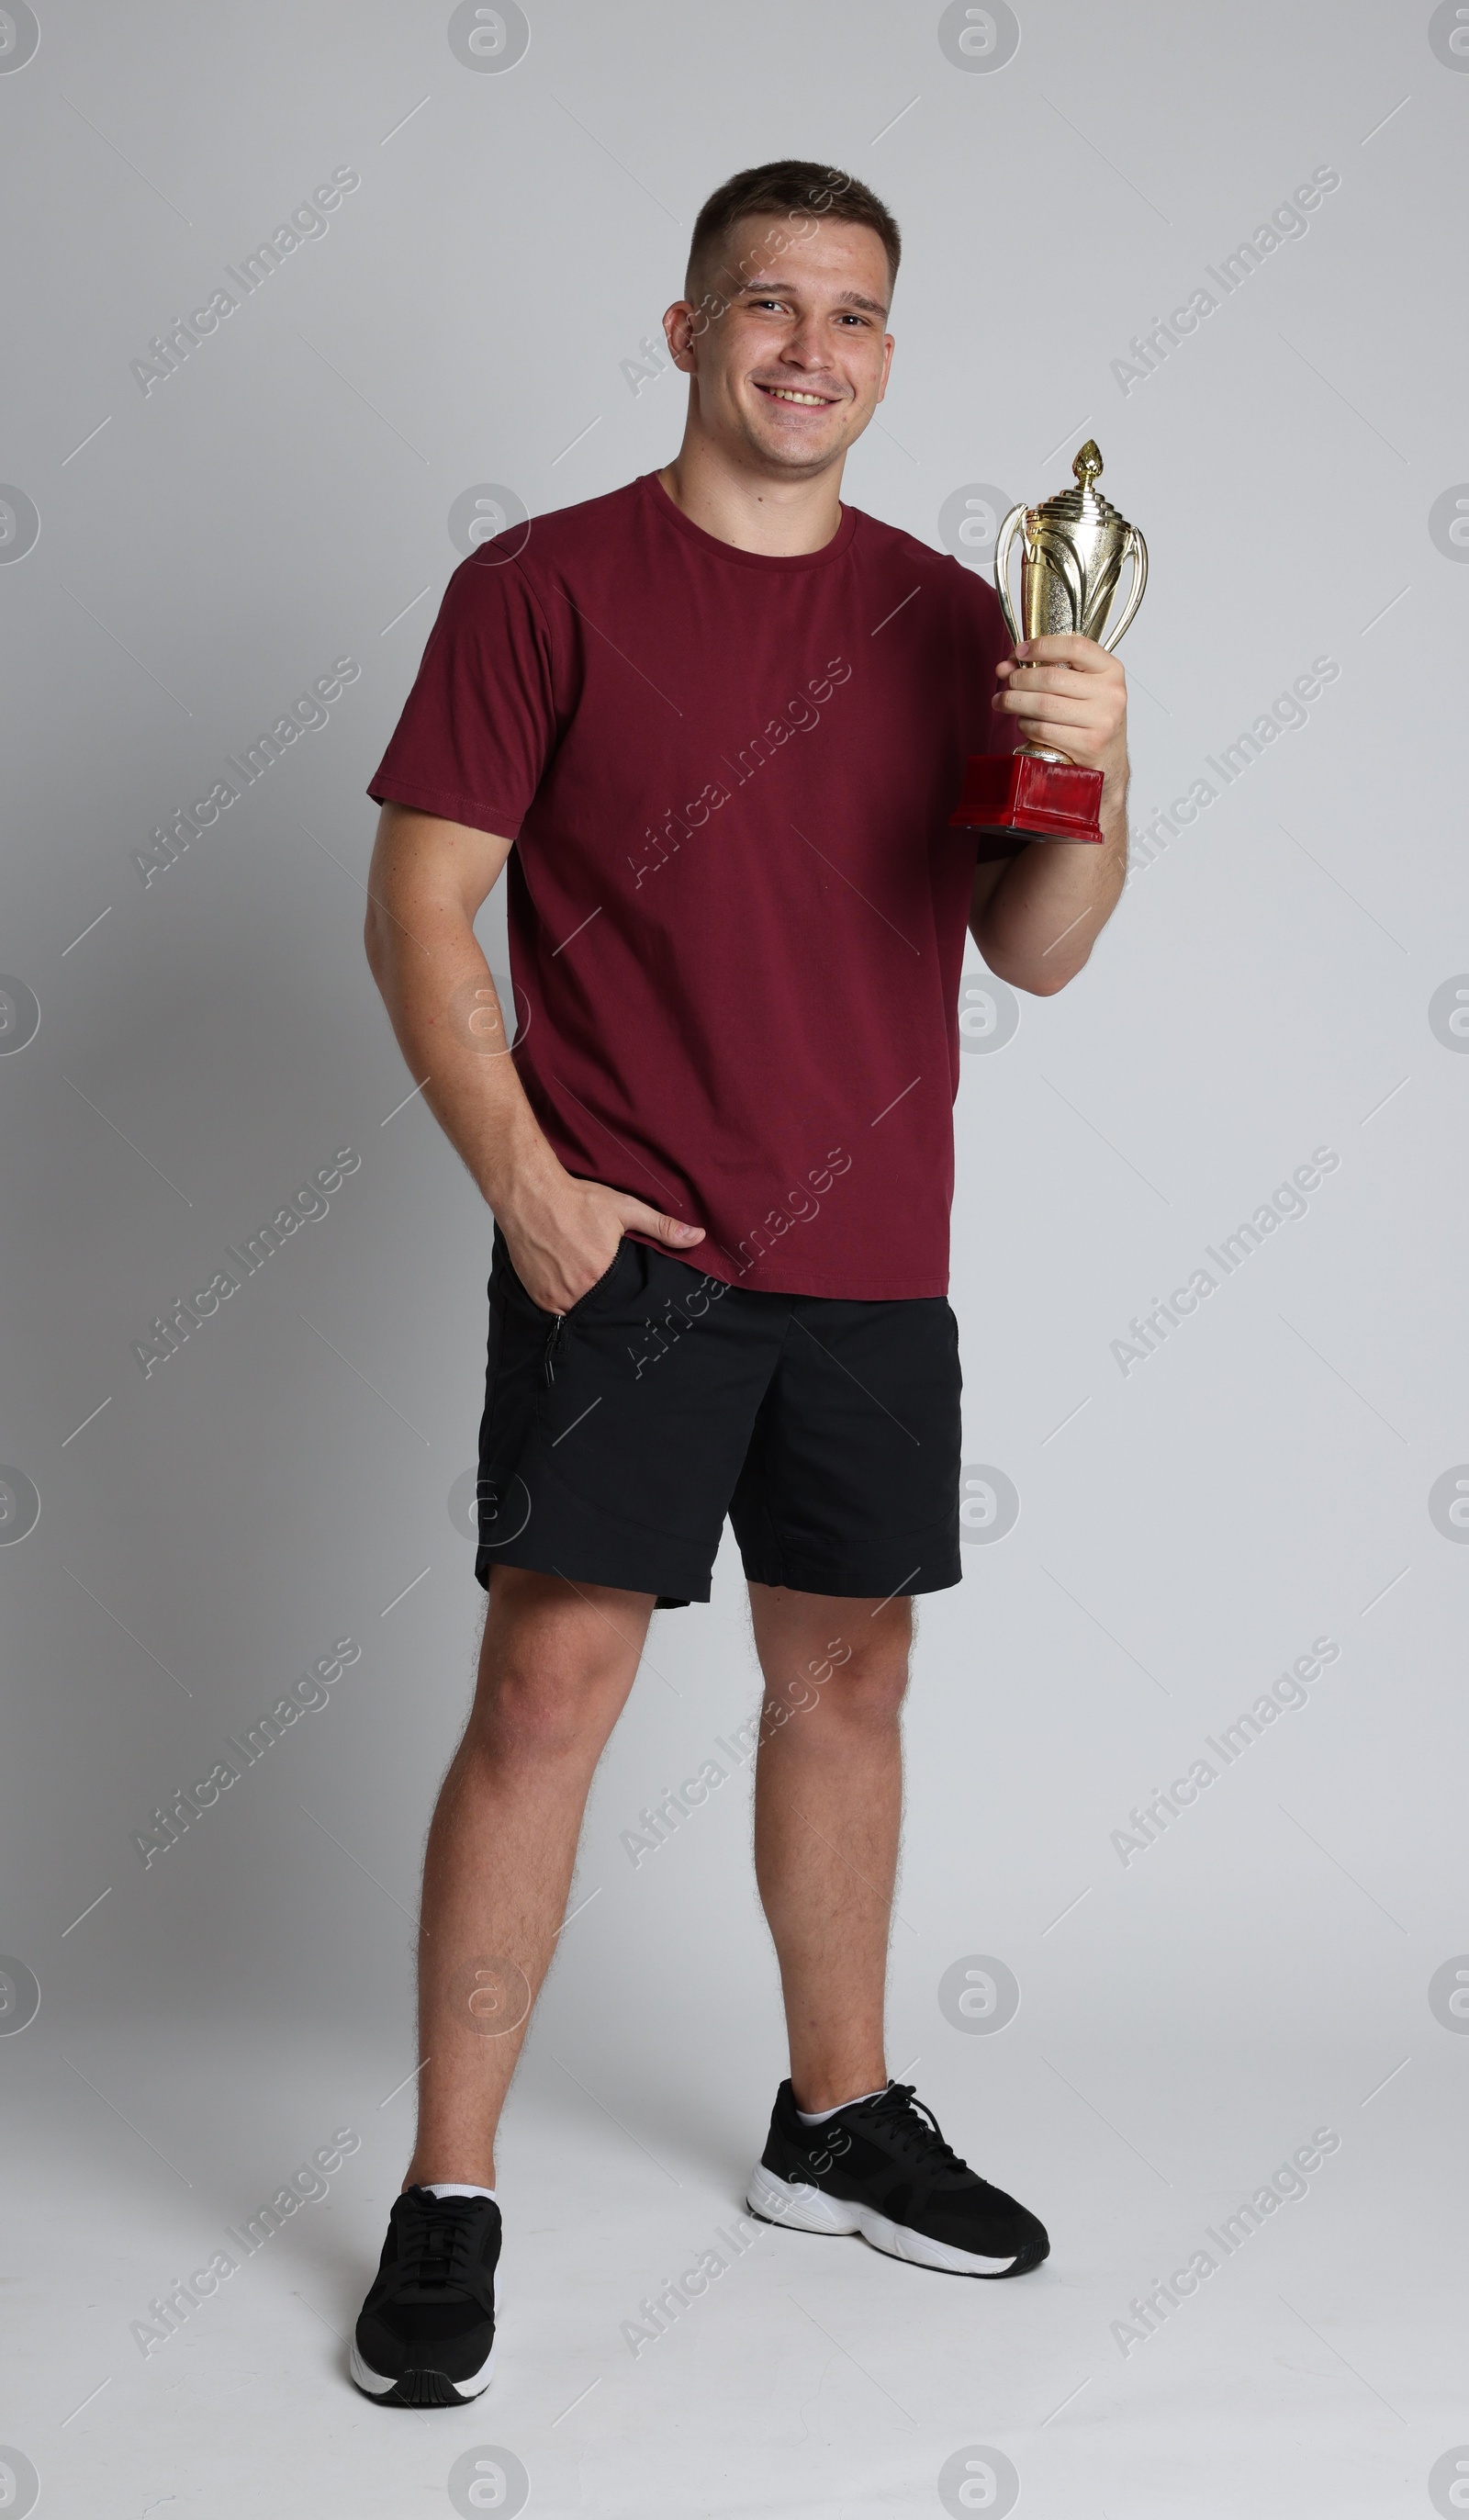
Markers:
point(651, 1220)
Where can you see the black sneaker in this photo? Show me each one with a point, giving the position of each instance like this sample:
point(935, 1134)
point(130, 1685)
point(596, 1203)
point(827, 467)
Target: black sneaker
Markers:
point(427, 2334)
point(881, 2167)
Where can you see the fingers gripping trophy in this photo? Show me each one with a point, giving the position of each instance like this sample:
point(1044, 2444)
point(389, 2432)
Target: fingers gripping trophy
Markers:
point(1073, 550)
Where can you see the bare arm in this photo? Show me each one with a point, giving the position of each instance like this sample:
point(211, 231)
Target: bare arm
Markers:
point(1036, 917)
point(429, 880)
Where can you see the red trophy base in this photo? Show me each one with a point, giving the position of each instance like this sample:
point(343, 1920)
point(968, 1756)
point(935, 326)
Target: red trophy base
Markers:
point(1011, 798)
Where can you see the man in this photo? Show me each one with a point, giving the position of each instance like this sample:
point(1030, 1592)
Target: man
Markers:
point(714, 724)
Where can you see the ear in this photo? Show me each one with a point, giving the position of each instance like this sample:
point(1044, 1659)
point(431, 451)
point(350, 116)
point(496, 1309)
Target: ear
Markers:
point(682, 326)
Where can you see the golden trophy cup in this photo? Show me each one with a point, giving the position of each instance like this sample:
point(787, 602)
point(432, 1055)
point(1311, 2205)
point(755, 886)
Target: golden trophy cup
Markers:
point(1070, 560)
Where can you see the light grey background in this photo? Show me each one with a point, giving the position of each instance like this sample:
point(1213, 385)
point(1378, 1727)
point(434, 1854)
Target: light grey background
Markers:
point(1185, 1529)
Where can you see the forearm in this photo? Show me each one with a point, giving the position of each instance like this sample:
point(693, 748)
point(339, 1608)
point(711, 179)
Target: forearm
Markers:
point(1036, 920)
point(445, 1011)
point(429, 878)
point(1041, 918)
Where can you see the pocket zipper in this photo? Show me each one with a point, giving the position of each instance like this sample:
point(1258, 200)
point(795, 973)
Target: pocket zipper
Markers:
point(554, 1340)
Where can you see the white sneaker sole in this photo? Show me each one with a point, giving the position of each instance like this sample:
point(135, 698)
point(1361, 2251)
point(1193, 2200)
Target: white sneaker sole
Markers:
point(464, 2390)
point(801, 2208)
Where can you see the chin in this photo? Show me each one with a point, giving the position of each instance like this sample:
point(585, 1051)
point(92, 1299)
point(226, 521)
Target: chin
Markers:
point(797, 455)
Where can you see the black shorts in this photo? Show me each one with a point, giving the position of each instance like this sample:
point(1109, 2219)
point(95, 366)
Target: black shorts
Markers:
point(617, 1436)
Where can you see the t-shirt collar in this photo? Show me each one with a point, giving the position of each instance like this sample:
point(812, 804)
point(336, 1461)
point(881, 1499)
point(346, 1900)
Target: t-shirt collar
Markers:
point(670, 513)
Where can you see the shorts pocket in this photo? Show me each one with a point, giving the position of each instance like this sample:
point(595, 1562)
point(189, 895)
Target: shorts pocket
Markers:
point(513, 1279)
point(599, 1284)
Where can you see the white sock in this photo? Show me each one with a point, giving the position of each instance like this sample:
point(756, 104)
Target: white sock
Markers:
point(814, 2117)
point(455, 2187)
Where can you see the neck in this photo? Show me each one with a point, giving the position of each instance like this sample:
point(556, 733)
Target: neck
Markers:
point(740, 504)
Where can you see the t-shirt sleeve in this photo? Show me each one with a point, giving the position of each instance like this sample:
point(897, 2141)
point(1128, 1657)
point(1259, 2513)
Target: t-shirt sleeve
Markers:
point(478, 726)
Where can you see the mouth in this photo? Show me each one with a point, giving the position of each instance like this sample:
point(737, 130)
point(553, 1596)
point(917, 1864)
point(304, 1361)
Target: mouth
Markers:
point(796, 398)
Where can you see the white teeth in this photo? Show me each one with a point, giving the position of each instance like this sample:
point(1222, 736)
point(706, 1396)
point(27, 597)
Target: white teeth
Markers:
point(783, 393)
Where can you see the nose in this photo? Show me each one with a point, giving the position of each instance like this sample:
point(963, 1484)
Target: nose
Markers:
point(803, 347)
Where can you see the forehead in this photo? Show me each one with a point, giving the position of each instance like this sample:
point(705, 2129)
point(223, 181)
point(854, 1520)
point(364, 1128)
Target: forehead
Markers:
point(829, 257)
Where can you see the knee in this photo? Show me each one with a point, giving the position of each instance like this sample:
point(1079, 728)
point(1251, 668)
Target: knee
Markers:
point(547, 1711)
point(864, 1693)
point(555, 1668)
point(871, 1688)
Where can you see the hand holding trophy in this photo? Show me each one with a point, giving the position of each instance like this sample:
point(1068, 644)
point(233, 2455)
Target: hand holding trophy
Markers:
point(1072, 555)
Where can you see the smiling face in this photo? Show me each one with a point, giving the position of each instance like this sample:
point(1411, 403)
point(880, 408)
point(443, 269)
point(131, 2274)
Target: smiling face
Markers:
point(791, 373)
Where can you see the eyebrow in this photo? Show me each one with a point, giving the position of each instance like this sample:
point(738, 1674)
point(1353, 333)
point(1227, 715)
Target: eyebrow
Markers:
point(774, 286)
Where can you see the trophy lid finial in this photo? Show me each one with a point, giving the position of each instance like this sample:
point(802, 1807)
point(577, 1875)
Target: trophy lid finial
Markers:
point(1088, 462)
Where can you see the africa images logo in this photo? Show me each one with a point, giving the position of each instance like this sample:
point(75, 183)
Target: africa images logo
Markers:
point(19, 523)
point(20, 34)
point(485, 38)
point(975, 38)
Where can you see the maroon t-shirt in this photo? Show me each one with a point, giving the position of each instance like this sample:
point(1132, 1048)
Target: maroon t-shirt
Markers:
point(736, 912)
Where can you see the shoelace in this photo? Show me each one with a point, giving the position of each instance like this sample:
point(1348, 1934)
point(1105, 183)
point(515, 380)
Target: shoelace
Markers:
point(913, 2122)
point(436, 2243)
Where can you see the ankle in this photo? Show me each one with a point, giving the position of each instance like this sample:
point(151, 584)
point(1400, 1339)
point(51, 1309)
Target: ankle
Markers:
point(816, 2093)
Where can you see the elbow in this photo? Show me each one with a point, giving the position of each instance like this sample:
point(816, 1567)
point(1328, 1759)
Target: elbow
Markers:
point(1045, 983)
point(1037, 978)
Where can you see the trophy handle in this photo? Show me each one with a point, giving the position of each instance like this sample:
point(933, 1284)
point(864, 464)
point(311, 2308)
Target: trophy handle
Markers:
point(1002, 541)
point(1137, 548)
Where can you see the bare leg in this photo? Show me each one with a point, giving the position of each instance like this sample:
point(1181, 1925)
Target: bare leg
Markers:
point(829, 1799)
point(555, 1670)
